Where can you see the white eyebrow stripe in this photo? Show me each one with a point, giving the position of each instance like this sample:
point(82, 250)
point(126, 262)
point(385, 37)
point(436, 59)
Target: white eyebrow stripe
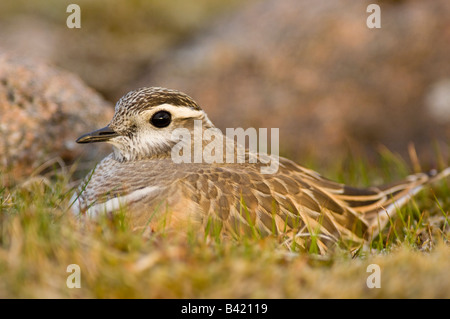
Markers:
point(177, 111)
point(121, 201)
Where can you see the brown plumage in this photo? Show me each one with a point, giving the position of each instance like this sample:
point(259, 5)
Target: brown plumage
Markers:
point(294, 203)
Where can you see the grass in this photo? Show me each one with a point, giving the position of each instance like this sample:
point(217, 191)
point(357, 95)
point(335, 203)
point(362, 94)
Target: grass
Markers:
point(39, 239)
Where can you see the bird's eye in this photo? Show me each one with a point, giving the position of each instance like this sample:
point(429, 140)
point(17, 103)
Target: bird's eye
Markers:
point(161, 119)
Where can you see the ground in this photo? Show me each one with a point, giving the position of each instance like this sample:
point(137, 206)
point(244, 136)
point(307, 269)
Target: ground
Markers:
point(39, 239)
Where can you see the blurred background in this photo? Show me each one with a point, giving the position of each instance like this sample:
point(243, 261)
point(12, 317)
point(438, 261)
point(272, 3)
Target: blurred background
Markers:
point(311, 68)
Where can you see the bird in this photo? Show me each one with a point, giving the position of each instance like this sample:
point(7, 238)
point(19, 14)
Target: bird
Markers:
point(233, 199)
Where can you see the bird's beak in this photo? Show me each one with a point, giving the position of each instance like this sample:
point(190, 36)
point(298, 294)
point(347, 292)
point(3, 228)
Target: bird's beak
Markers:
point(101, 135)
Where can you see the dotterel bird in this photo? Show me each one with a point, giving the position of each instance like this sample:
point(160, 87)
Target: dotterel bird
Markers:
point(295, 203)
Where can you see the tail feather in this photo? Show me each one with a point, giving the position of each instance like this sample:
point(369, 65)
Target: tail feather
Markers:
point(400, 194)
point(435, 176)
point(374, 206)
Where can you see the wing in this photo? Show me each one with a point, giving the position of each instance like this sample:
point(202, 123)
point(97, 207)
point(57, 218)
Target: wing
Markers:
point(239, 200)
point(295, 203)
point(374, 206)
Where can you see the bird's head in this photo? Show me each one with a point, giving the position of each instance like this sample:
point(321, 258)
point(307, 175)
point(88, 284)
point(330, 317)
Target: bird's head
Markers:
point(143, 123)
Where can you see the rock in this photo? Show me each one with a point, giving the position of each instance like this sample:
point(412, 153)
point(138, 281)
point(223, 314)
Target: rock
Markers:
point(42, 112)
point(316, 71)
point(115, 39)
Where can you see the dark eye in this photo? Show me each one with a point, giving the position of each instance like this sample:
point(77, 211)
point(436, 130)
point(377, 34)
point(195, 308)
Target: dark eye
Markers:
point(161, 119)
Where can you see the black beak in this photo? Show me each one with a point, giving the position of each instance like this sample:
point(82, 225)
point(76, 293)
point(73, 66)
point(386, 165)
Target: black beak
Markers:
point(101, 135)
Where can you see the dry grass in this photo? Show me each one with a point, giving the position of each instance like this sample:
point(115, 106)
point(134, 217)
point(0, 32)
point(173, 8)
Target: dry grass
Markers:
point(39, 238)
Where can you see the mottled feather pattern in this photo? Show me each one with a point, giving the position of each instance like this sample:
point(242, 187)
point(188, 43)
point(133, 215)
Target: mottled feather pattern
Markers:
point(296, 204)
